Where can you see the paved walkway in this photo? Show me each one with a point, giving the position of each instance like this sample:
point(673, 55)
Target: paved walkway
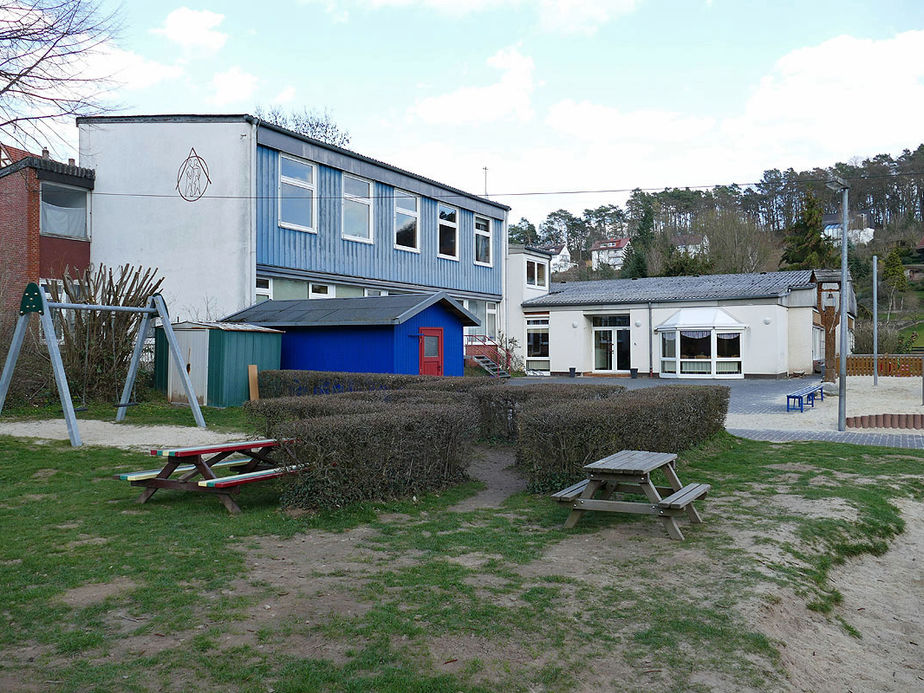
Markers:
point(756, 396)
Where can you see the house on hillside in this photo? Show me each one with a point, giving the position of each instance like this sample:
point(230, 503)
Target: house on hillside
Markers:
point(611, 251)
point(561, 257)
point(234, 210)
point(44, 219)
point(691, 243)
point(714, 326)
point(859, 233)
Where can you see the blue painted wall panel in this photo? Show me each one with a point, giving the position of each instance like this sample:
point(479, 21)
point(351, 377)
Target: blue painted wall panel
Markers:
point(326, 251)
point(407, 346)
point(351, 349)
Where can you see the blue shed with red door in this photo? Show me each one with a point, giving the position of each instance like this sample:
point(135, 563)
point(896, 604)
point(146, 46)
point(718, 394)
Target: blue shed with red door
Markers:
point(407, 333)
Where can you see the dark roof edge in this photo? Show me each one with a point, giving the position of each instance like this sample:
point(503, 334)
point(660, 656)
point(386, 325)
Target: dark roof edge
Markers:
point(433, 299)
point(42, 164)
point(537, 302)
point(247, 118)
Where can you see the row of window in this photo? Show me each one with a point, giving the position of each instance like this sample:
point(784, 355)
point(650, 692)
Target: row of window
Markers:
point(298, 209)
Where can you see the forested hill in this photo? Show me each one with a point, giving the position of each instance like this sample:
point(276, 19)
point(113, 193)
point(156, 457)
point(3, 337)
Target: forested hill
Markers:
point(745, 226)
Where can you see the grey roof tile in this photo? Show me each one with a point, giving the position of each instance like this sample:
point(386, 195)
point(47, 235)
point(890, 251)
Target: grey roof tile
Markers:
point(667, 289)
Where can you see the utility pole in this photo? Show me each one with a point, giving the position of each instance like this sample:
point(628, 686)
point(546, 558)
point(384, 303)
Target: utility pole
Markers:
point(839, 184)
point(485, 169)
point(875, 320)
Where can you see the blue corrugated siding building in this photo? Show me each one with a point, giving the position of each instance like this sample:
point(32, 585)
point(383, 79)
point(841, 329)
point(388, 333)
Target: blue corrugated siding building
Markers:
point(328, 223)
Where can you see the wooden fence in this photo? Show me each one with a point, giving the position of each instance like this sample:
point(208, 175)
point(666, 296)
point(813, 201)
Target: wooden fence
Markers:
point(898, 365)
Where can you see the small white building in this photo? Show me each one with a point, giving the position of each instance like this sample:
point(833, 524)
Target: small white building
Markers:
point(561, 257)
point(527, 279)
point(692, 244)
point(611, 251)
point(715, 326)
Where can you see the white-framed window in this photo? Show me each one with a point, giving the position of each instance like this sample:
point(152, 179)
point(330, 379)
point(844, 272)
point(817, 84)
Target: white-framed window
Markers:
point(357, 209)
point(321, 290)
point(407, 221)
point(448, 233)
point(375, 292)
point(710, 353)
point(264, 289)
point(536, 274)
point(491, 320)
point(537, 344)
point(483, 243)
point(63, 211)
point(298, 200)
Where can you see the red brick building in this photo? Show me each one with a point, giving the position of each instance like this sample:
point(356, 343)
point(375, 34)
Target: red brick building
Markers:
point(44, 219)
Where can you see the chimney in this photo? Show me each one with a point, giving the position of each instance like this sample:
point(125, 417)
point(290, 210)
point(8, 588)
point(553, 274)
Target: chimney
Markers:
point(70, 162)
point(45, 154)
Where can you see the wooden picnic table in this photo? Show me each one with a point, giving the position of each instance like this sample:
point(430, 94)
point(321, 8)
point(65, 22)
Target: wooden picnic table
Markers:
point(251, 463)
point(629, 471)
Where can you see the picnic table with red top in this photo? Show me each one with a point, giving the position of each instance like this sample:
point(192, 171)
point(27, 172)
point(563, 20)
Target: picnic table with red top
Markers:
point(251, 463)
point(629, 471)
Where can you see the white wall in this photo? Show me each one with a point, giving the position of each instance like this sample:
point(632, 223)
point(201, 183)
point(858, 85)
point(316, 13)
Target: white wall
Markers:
point(204, 249)
point(516, 291)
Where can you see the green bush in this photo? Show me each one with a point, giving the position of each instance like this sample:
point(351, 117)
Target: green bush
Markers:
point(556, 440)
point(300, 383)
point(269, 414)
point(394, 452)
point(499, 406)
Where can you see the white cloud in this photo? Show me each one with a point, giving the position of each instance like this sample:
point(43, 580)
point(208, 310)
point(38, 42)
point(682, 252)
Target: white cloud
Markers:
point(581, 16)
point(506, 99)
point(129, 70)
point(233, 86)
point(554, 16)
point(285, 96)
point(595, 123)
point(194, 30)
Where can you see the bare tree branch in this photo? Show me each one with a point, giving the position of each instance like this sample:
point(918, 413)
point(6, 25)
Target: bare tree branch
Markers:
point(316, 124)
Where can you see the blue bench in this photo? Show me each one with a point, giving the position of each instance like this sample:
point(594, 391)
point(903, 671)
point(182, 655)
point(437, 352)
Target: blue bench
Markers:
point(804, 394)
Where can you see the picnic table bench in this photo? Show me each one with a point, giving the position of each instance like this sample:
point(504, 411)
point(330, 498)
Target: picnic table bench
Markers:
point(629, 471)
point(252, 462)
point(805, 393)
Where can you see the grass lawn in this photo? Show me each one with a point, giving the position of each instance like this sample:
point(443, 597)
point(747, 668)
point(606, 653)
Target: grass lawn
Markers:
point(102, 594)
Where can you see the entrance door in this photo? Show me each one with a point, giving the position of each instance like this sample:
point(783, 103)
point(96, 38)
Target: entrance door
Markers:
point(611, 349)
point(431, 350)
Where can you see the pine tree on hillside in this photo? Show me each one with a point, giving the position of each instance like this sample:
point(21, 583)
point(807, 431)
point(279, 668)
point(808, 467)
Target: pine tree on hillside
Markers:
point(804, 246)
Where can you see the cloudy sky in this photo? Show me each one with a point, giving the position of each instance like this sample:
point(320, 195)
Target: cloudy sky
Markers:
point(550, 95)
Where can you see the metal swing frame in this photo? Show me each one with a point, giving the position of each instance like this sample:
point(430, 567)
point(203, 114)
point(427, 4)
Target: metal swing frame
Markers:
point(34, 300)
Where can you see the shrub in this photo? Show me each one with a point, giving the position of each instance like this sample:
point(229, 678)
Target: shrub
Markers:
point(300, 383)
point(377, 455)
point(499, 406)
point(556, 440)
point(269, 414)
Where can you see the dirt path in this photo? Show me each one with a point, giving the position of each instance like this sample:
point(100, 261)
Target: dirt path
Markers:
point(883, 600)
point(494, 467)
point(107, 433)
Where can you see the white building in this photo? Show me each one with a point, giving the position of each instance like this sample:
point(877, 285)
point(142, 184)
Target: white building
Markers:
point(611, 251)
point(527, 279)
point(561, 257)
point(692, 244)
point(716, 326)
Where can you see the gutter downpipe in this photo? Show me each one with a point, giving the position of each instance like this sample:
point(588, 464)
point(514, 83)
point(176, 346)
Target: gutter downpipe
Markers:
point(650, 344)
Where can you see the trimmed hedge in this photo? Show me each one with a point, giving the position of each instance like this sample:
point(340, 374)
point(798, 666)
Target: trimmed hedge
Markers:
point(499, 406)
point(301, 383)
point(556, 440)
point(377, 455)
point(270, 414)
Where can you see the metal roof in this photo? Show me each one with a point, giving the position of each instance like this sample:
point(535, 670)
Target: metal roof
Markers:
point(668, 289)
point(224, 326)
point(331, 312)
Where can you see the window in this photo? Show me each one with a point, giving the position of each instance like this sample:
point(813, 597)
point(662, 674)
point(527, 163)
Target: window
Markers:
point(536, 274)
point(320, 291)
point(669, 352)
point(448, 232)
point(727, 352)
point(357, 209)
point(375, 292)
point(297, 194)
point(482, 241)
point(610, 321)
point(264, 289)
point(63, 211)
point(696, 351)
point(491, 320)
point(407, 216)
point(537, 344)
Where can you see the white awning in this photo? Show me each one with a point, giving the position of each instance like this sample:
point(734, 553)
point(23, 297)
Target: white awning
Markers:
point(700, 319)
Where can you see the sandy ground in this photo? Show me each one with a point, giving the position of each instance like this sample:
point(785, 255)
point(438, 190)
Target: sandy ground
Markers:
point(94, 432)
point(890, 396)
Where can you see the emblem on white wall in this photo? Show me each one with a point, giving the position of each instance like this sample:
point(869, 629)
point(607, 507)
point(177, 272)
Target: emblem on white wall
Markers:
point(193, 177)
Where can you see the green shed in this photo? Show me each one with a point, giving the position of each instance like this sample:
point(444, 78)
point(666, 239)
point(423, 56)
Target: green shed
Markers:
point(216, 356)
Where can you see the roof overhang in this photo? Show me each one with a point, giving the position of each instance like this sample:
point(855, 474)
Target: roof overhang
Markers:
point(700, 319)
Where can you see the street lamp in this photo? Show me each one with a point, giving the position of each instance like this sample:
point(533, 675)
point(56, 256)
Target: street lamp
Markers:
point(839, 184)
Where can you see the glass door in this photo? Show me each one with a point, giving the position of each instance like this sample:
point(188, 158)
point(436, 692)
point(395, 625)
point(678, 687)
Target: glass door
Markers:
point(622, 350)
point(603, 350)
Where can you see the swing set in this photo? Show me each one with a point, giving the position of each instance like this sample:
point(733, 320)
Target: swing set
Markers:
point(34, 300)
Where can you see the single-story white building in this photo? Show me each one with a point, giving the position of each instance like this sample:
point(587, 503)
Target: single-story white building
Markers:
point(764, 324)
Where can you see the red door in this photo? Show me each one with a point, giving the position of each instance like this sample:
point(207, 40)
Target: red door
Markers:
point(431, 350)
